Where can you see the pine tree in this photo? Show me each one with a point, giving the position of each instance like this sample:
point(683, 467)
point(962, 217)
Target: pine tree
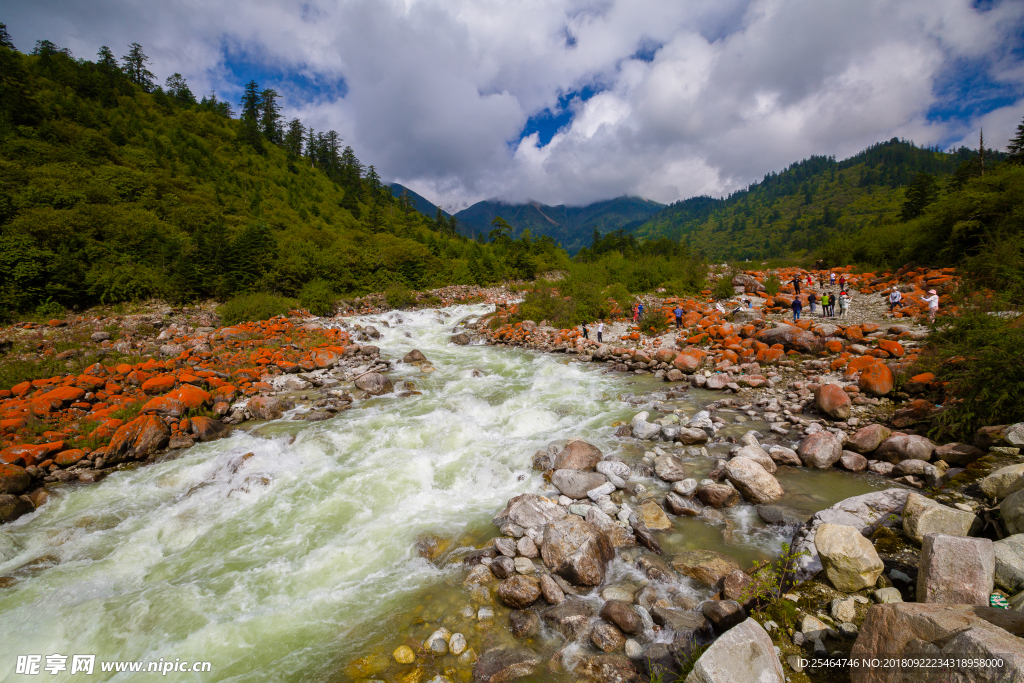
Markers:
point(178, 89)
point(5, 37)
point(135, 68)
point(250, 116)
point(107, 62)
point(1016, 146)
point(920, 193)
point(311, 146)
point(270, 115)
point(350, 167)
point(293, 138)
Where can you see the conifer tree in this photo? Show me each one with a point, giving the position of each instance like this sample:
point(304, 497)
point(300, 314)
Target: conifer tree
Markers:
point(250, 116)
point(178, 89)
point(5, 37)
point(135, 67)
point(293, 138)
point(270, 115)
point(107, 62)
point(1016, 146)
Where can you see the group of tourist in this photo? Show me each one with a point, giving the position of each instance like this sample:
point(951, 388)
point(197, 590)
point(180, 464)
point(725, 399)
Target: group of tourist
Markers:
point(896, 300)
point(827, 299)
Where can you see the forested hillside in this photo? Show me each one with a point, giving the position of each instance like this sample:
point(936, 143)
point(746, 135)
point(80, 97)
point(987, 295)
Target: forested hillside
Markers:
point(113, 188)
point(812, 202)
point(571, 226)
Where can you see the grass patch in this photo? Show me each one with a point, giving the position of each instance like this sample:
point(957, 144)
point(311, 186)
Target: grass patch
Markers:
point(254, 307)
point(127, 412)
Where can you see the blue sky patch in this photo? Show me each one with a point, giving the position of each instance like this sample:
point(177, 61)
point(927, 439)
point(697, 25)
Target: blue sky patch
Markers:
point(548, 122)
point(298, 85)
point(966, 90)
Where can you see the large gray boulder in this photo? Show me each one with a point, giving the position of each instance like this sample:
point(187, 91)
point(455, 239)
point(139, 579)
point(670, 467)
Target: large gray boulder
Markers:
point(571, 617)
point(505, 663)
point(743, 654)
point(752, 481)
point(867, 439)
point(1011, 511)
point(905, 447)
point(669, 468)
point(758, 455)
point(374, 383)
point(953, 570)
point(901, 630)
point(923, 516)
point(1004, 481)
point(849, 559)
point(575, 484)
point(864, 513)
point(1009, 554)
point(646, 431)
point(820, 450)
point(578, 455)
point(576, 551)
point(530, 510)
point(706, 567)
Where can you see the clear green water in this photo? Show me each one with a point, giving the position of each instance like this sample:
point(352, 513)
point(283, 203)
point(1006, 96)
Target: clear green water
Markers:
point(291, 564)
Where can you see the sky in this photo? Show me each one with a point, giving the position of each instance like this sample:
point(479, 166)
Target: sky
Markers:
point(575, 101)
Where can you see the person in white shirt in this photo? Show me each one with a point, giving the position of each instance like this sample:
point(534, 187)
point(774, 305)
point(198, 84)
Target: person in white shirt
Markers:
point(933, 304)
point(600, 330)
point(894, 299)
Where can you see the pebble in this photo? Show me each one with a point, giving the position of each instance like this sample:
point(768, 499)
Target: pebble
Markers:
point(403, 654)
point(457, 645)
point(848, 630)
point(524, 565)
point(886, 596)
point(484, 613)
point(634, 650)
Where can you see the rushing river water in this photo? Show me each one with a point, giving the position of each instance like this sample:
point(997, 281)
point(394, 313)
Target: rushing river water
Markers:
point(290, 564)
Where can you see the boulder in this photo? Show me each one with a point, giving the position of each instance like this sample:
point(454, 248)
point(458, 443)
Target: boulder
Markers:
point(923, 516)
point(784, 456)
point(902, 630)
point(831, 400)
point(706, 567)
point(752, 481)
point(1004, 481)
point(414, 356)
point(13, 479)
point(792, 338)
point(820, 450)
point(607, 637)
point(645, 431)
point(518, 591)
point(953, 570)
point(669, 468)
point(749, 284)
point(571, 617)
point(757, 454)
point(905, 447)
point(1011, 511)
point(958, 454)
point(682, 622)
point(575, 484)
point(622, 615)
point(530, 510)
point(505, 663)
point(782, 515)
point(609, 668)
point(682, 506)
point(654, 517)
point(744, 316)
point(618, 536)
point(524, 623)
point(137, 439)
point(717, 495)
point(461, 339)
point(691, 436)
point(854, 462)
point(578, 455)
point(865, 513)
point(876, 380)
point(1009, 553)
point(743, 654)
point(576, 551)
point(374, 384)
point(208, 429)
point(551, 591)
point(12, 507)
point(867, 439)
point(931, 474)
point(736, 586)
point(1000, 435)
point(723, 614)
point(265, 408)
point(849, 559)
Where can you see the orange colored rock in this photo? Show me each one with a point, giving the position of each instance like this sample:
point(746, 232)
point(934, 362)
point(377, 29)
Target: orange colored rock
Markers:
point(190, 396)
point(21, 389)
point(894, 349)
point(207, 429)
point(164, 405)
point(834, 346)
point(831, 400)
point(924, 377)
point(137, 439)
point(107, 429)
point(158, 385)
point(65, 395)
point(689, 360)
point(69, 457)
point(30, 454)
point(876, 380)
point(861, 362)
point(13, 479)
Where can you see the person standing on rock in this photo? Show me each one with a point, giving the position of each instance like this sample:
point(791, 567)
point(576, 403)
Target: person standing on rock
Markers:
point(842, 283)
point(679, 316)
point(600, 329)
point(586, 333)
point(636, 314)
point(640, 310)
point(933, 304)
point(824, 304)
point(796, 284)
point(832, 278)
point(844, 304)
point(797, 307)
point(811, 300)
point(895, 297)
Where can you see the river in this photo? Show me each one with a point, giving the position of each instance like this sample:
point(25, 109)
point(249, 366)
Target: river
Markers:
point(289, 564)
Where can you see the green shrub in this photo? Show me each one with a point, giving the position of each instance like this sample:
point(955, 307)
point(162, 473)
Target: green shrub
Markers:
point(772, 284)
point(398, 295)
point(50, 309)
point(723, 288)
point(653, 322)
point(318, 298)
point(253, 307)
point(979, 354)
